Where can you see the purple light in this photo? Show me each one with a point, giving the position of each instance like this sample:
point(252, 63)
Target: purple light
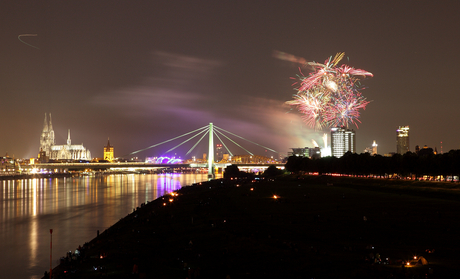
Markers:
point(163, 160)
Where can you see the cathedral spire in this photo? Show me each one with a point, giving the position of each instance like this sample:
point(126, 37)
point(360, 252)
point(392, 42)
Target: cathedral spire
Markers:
point(50, 126)
point(68, 138)
point(45, 125)
point(51, 132)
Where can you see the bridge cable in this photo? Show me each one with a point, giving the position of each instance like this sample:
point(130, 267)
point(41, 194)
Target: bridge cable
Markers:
point(193, 147)
point(185, 141)
point(166, 141)
point(245, 139)
point(223, 144)
point(234, 142)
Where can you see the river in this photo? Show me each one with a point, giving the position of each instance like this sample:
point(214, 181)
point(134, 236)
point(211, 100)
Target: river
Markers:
point(75, 208)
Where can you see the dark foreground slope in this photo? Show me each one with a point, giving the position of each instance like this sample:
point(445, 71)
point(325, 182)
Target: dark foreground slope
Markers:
point(319, 227)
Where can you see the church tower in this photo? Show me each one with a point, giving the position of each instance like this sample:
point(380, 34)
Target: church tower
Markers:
point(108, 152)
point(44, 136)
point(47, 137)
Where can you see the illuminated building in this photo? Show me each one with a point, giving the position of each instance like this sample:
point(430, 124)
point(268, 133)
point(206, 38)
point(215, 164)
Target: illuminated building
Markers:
point(299, 152)
point(163, 160)
point(219, 153)
point(42, 158)
point(7, 164)
point(402, 140)
point(342, 141)
point(48, 148)
point(372, 150)
point(108, 151)
point(314, 152)
point(47, 138)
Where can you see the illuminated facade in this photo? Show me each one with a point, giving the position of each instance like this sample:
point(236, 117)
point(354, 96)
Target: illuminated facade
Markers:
point(402, 140)
point(314, 152)
point(51, 151)
point(219, 152)
point(299, 152)
point(108, 152)
point(342, 141)
point(252, 159)
point(374, 148)
point(163, 160)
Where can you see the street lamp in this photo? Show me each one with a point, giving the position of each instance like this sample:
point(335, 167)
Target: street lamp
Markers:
point(51, 252)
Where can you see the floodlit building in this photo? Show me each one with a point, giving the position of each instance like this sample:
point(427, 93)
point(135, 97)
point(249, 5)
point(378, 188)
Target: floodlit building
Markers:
point(342, 141)
point(219, 152)
point(314, 152)
point(299, 152)
point(51, 151)
point(372, 150)
point(402, 140)
point(108, 152)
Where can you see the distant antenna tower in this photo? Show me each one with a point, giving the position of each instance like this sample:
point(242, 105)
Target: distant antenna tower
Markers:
point(441, 147)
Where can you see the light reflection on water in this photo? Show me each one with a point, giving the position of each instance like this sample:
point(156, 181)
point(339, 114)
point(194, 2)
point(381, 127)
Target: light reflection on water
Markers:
point(75, 208)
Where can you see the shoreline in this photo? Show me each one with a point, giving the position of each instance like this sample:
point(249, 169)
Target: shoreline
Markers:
point(37, 175)
point(221, 227)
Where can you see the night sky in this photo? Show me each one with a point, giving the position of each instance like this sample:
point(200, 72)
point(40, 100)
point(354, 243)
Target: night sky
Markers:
point(142, 72)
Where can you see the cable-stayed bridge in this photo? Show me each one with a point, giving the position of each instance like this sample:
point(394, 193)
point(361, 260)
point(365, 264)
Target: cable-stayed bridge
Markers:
point(247, 160)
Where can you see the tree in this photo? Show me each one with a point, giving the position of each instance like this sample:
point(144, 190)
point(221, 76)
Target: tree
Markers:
point(294, 164)
point(272, 171)
point(231, 171)
point(410, 164)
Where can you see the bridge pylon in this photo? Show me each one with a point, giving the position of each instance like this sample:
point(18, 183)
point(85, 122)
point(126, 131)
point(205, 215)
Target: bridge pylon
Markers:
point(211, 153)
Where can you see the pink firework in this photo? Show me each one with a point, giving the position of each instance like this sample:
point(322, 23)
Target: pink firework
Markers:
point(329, 96)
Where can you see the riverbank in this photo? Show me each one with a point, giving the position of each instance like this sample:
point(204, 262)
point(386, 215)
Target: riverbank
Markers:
point(35, 175)
point(316, 227)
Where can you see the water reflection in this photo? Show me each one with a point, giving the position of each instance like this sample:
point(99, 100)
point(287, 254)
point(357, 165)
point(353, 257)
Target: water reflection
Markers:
point(75, 208)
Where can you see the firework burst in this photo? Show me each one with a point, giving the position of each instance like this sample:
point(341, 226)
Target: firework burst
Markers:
point(329, 96)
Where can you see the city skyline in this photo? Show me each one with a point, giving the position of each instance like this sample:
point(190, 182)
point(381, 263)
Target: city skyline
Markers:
point(146, 72)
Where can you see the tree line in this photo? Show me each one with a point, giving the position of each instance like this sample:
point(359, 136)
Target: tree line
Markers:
point(408, 165)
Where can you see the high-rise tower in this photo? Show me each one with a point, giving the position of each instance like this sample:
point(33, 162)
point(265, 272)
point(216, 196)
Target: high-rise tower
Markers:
point(219, 152)
point(342, 141)
point(402, 140)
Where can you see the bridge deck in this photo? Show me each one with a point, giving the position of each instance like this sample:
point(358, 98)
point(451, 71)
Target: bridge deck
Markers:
point(136, 165)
